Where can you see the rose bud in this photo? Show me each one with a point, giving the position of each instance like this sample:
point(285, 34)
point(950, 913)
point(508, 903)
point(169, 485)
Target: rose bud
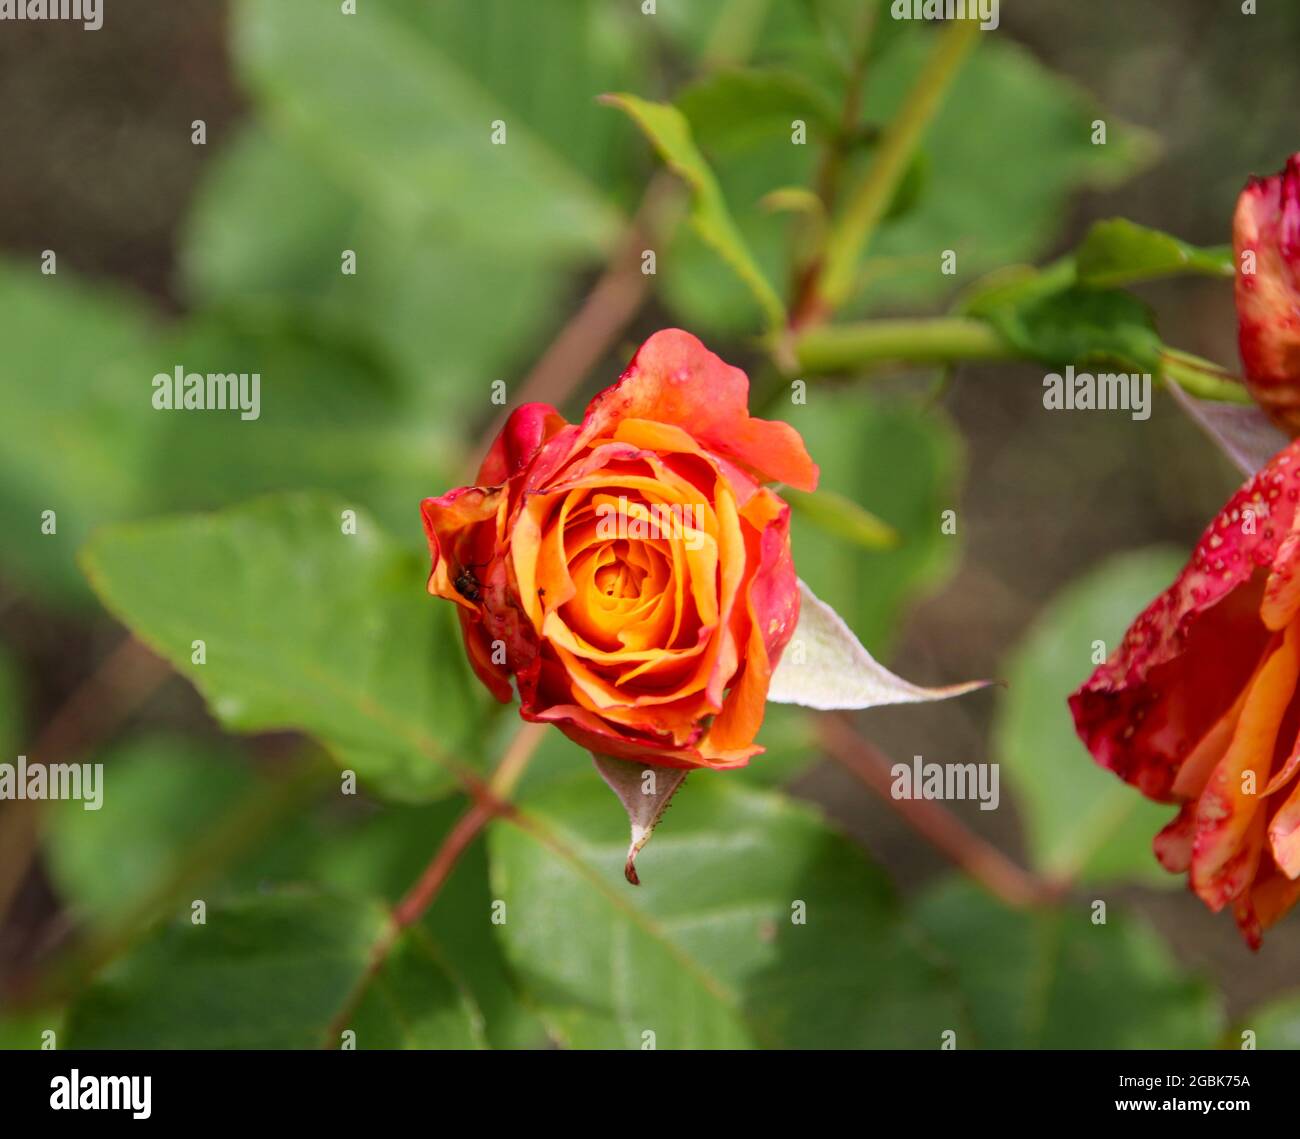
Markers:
point(630, 572)
point(1266, 240)
point(1199, 705)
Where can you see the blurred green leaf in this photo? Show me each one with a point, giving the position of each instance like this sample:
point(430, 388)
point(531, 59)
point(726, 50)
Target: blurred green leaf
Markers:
point(171, 802)
point(902, 465)
point(732, 107)
point(911, 188)
point(1118, 252)
point(668, 130)
point(330, 420)
point(25, 1031)
point(842, 517)
point(790, 736)
point(385, 855)
point(83, 439)
point(160, 795)
point(993, 195)
point(1053, 979)
point(433, 306)
point(1275, 1024)
point(11, 711)
point(306, 627)
point(1081, 821)
point(462, 247)
point(707, 952)
point(796, 200)
point(697, 287)
point(546, 63)
point(279, 971)
point(1015, 285)
point(1082, 326)
point(409, 127)
point(76, 370)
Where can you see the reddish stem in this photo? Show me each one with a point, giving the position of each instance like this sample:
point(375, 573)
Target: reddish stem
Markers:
point(96, 709)
point(420, 896)
point(609, 307)
point(977, 857)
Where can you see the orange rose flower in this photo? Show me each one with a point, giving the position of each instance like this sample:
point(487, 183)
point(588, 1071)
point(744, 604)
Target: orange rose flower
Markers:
point(630, 572)
point(1267, 226)
point(1200, 706)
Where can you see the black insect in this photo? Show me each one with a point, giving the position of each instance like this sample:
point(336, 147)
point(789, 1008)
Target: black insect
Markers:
point(467, 583)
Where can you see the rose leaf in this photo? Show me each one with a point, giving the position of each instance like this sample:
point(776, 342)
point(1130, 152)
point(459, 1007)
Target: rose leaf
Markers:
point(826, 667)
point(645, 794)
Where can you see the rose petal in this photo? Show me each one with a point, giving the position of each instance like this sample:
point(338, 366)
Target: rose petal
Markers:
point(1185, 659)
point(529, 426)
point(674, 379)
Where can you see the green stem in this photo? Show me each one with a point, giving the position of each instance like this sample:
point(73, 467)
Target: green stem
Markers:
point(934, 340)
point(734, 34)
point(1200, 378)
point(868, 205)
point(958, 339)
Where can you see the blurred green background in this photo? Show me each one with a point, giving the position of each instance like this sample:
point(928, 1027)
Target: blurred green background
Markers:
point(370, 135)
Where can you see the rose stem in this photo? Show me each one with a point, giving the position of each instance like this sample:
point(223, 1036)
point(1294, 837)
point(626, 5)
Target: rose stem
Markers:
point(610, 306)
point(977, 857)
point(123, 681)
point(503, 781)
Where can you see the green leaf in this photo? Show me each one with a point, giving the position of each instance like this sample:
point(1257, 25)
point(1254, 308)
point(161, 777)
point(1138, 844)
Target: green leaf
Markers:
point(790, 735)
point(409, 128)
point(306, 627)
point(735, 106)
point(25, 1031)
point(1053, 979)
point(842, 517)
point(386, 854)
point(902, 464)
point(1081, 821)
point(544, 64)
point(278, 971)
point(666, 127)
point(705, 953)
point(1118, 252)
point(330, 419)
point(1082, 326)
point(77, 420)
point(160, 796)
point(992, 196)
point(183, 822)
point(1015, 285)
point(11, 714)
point(411, 290)
point(1275, 1025)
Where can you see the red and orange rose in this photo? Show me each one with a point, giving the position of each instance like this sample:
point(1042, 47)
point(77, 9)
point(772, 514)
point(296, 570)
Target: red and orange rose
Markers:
point(1200, 705)
point(1266, 240)
point(631, 572)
